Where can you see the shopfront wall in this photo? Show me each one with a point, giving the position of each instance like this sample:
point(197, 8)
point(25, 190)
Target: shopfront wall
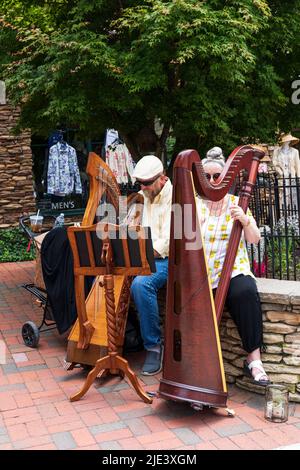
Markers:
point(16, 180)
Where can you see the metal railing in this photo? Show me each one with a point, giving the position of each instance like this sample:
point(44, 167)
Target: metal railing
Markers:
point(275, 205)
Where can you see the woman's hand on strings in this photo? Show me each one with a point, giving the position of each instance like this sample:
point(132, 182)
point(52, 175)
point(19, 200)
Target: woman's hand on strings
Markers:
point(251, 231)
point(237, 213)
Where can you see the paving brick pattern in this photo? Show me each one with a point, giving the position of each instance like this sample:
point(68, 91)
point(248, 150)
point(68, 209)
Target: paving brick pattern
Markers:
point(35, 411)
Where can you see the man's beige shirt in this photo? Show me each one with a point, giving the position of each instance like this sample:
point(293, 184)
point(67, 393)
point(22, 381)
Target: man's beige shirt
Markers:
point(157, 216)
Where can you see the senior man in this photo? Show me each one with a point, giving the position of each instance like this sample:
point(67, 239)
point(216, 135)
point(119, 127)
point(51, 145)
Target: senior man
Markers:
point(157, 191)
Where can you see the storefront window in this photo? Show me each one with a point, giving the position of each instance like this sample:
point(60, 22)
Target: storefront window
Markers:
point(60, 181)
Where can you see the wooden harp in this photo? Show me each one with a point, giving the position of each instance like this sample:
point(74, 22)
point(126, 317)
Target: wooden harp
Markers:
point(193, 368)
point(87, 341)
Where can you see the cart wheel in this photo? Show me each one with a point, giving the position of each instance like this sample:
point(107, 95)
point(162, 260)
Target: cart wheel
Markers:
point(30, 334)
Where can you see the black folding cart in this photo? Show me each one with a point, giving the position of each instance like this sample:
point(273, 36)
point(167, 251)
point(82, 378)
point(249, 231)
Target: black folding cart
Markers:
point(30, 331)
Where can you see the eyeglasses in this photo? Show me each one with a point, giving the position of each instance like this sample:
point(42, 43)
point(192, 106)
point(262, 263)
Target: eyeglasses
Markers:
point(147, 183)
point(215, 176)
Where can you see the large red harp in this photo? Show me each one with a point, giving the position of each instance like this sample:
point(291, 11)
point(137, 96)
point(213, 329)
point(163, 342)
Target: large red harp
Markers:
point(193, 368)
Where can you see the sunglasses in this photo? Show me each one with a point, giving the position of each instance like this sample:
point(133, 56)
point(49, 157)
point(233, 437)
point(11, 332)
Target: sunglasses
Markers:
point(215, 176)
point(147, 183)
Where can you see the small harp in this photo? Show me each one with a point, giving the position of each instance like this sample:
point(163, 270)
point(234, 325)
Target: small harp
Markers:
point(193, 367)
point(87, 341)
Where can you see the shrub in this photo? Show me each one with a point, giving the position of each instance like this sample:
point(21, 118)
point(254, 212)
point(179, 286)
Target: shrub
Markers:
point(13, 245)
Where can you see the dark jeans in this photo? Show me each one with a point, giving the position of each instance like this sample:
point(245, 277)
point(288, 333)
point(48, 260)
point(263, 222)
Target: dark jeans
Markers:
point(144, 292)
point(244, 307)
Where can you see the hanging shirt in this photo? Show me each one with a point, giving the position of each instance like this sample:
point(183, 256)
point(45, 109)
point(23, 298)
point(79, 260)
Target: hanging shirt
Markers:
point(216, 230)
point(111, 136)
point(56, 136)
point(63, 173)
point(120, 162)
point(157, 216)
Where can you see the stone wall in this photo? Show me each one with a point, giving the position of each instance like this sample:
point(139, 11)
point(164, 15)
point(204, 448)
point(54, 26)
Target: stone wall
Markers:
point(281, 325)
point(16, 182)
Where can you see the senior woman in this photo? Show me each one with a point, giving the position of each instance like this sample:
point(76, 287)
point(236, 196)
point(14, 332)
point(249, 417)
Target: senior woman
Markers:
point(216, 219)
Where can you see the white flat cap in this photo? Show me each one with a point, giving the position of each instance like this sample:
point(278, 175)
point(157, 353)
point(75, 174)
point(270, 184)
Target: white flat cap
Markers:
point(147, 168)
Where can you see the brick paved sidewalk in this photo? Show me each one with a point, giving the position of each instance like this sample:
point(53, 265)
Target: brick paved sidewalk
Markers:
point(35, 411)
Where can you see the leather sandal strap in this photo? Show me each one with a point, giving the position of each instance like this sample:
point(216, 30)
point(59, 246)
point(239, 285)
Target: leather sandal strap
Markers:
point(257, 364)
point(259, 376)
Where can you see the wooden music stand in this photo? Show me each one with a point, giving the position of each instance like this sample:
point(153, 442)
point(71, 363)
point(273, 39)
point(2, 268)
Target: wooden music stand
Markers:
point(112, 250)
point(87, 341)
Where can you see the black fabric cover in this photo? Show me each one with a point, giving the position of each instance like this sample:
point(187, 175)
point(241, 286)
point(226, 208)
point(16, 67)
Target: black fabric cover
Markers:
point(58, 272)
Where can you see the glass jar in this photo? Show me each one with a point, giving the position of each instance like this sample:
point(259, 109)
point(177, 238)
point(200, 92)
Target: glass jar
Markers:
point(277, 403)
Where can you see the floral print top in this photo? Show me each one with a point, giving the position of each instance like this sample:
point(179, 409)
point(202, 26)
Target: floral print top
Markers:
point(216, 232)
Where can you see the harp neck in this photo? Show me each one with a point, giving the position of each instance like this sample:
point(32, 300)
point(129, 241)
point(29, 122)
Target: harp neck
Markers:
point(102, 181)
point(241, 158)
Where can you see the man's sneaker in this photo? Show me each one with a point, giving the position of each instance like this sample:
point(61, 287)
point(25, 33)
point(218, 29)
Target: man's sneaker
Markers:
point(153, 362)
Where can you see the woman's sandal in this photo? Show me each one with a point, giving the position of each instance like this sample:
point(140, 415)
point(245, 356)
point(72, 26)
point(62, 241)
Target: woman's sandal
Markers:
point(257, 379)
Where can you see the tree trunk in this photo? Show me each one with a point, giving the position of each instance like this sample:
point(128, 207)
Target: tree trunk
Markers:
point(146, 141)
point(161, 143)
point(141, 143)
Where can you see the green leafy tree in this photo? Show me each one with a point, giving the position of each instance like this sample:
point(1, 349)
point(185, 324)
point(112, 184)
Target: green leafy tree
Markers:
point(213, 72)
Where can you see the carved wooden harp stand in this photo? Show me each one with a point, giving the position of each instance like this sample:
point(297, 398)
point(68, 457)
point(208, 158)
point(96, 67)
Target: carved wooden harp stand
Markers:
point(193, 368)
point(113, 253)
